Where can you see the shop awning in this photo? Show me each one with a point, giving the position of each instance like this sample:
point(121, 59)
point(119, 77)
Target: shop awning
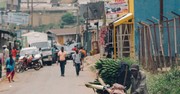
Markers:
point(8, 32)
point(123, 19)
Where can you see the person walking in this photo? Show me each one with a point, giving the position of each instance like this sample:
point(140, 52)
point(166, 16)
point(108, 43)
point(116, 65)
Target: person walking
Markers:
point(14, 53)
point(83, 55)
point(5, 53)
point(10, 66)
point(62, 60)
point(138, 80)
point(75, 48)
point(77, 61)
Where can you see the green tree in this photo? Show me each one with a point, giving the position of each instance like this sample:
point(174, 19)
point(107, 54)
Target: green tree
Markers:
point(62, 25)
point(68, 19)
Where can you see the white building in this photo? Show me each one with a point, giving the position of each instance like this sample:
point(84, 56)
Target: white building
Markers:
point(33, 37)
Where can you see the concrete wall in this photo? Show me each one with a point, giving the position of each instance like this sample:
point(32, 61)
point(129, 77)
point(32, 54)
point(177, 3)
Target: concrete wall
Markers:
point(145, 9)
point(40, 18)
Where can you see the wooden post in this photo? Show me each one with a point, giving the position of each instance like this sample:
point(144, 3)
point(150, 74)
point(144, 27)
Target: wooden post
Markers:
point(32, 12)
point(12, 1)
point(114, 39)
point(175, 42)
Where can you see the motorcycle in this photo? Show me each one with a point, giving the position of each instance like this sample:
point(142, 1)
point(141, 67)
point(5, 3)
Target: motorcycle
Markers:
point(28, 62)
point(21, 64)
point(34, 62)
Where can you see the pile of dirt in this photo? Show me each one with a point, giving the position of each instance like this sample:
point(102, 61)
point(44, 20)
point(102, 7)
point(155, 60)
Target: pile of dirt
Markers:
point(91, 60)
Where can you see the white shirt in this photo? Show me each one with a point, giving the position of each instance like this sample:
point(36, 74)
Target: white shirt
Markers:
point(77, 58)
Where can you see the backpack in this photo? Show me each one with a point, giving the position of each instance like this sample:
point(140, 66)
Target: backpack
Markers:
point(83, 53)
point(124, 75)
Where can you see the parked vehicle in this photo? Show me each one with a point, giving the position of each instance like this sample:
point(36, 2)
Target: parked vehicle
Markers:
point(29, 58)
point(36, 62)
point(45, 50)
point(46, 55)
point(21, 64)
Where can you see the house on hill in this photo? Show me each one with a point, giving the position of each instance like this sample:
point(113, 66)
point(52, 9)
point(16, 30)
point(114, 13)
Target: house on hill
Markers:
point(64, 35)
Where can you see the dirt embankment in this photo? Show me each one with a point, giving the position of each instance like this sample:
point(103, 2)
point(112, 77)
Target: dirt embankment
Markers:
point(90, 62)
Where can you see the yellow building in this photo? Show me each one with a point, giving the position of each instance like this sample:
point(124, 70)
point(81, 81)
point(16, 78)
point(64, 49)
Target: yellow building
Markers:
point(123, 34)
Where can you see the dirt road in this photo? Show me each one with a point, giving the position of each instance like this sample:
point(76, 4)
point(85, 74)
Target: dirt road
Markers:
point(48, 81)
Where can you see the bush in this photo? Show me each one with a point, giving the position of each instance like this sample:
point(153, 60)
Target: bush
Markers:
point(168, 83)
point(68, 19)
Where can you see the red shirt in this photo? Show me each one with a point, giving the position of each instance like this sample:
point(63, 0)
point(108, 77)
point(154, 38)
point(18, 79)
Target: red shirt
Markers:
point(74, 49)
point(14, 52)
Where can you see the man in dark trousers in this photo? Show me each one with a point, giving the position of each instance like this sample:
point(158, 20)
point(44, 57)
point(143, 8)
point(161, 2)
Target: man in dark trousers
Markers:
point(77, 61)
point(138, 81)
point(62, 60)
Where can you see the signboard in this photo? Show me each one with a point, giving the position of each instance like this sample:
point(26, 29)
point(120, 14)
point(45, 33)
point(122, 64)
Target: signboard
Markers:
point(3, 18)
point(116, 8)
point(18, 18)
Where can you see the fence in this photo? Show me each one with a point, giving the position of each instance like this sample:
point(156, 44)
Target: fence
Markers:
point(159, 43)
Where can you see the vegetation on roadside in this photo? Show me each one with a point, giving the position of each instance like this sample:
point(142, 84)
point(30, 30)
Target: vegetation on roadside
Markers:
point(168, 83)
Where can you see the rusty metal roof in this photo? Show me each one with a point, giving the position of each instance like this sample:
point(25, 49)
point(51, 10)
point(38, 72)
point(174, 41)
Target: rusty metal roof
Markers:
point(65, 31)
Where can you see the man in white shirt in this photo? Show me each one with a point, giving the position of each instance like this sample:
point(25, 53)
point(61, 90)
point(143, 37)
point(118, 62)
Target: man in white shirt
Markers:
point(77, 61)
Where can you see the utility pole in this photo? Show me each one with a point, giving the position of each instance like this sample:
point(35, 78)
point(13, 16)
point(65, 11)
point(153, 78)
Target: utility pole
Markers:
point(161, 31)
point(104, 26)
point(27, 4)
point(87, 28)
point(32, 13)
point(77, 30)
point(12, 1)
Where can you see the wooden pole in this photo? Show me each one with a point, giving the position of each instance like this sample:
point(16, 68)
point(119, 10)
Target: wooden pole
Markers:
point(27, 4)
point(32, 13)
point(160, 42)
point(152, 42)
point(114, 42)
point(12, 1)
point(175, 41)
point(156, 43)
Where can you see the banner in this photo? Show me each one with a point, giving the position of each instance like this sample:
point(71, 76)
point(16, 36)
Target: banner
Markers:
point(116, 8)
point(18, 18)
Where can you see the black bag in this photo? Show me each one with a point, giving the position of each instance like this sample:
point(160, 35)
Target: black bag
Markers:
point(124, 75)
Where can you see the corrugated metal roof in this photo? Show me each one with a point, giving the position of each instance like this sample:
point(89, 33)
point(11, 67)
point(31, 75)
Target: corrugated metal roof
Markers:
point(65, 31)
point(32, 33)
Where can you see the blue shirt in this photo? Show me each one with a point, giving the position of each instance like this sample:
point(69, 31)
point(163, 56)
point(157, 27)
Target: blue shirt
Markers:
point(8, 65)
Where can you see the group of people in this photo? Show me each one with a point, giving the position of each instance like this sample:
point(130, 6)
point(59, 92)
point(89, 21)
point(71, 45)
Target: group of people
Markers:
point(78, 59)
point(9, 58)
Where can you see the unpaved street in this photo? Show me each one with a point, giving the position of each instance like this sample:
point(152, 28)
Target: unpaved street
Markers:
point(48, 81)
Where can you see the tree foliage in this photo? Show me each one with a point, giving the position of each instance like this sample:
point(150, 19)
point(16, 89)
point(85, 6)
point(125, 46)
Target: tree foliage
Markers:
point(68, 19)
